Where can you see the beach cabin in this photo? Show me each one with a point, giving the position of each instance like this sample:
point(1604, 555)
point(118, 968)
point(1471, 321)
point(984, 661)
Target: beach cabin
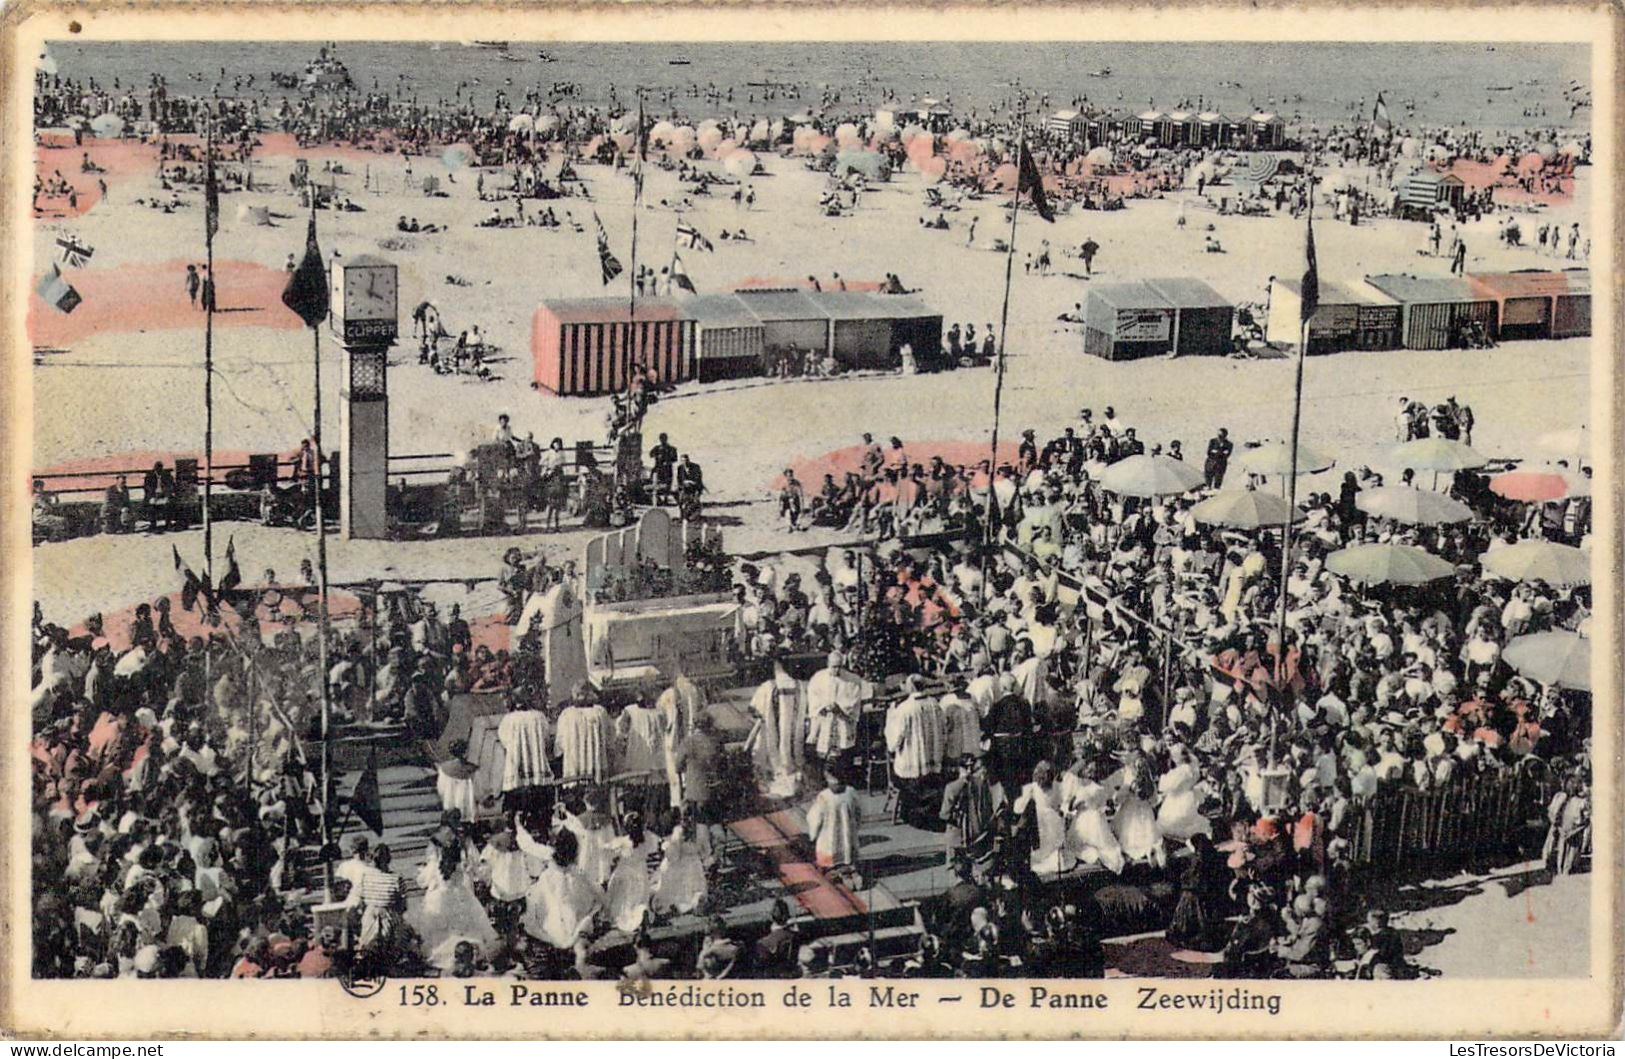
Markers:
point(1182, 129)
point(790, 320)
point(1142, 127)
point(1213, 129)
point(583, 347)
point(1266, 132)
point(1425, 191)
point(868, 331)
point(1532, 304)
point(1435, 311)
point(1203, 318)
point(1348, 318)
point(1126, 321)
point(1067, 124)
point(730, 338)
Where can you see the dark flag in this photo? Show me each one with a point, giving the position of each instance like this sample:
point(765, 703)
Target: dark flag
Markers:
point(233, 576)
point(366, 801)
point(1311, 273)
point(211, 195)
point(679, 275)
point(1029, 180)
point(57, 292)
point(608, 265)
point(306, 292)
point(1380, 121)
point(191, 586)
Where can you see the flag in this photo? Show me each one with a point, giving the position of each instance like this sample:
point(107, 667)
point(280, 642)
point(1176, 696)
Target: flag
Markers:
point(1380, 121)
point(211, 195)
point(365, 800)
point(1311, 273)
point(607, 264)
point(1029, 180)
point(233, 575)
point(73, 253)
point(306, 292)
point(679, 275)
point(690, 236)
point(191, 586)
point(56, 292)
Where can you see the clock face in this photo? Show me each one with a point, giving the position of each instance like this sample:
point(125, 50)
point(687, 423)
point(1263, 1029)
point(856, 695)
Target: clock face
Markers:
point(369, 294)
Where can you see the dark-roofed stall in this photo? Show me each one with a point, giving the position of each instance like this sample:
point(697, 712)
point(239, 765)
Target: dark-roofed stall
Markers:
point(1348, 317)
point(868, 331)
point(1125, 321)
point(1538, 303)
point(1203, 318)
point(1438, 312)
point(791, 321)
point(731, 339)
point(587, 346)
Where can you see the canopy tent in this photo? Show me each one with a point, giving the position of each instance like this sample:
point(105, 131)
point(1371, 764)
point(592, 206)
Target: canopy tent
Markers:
point(1539, 560)
point(107, 126)
point(1416, 507)
point(1390, 564)
point(255, 215)
point(1244, 509)
point(1146, 475)
point(1558, 658)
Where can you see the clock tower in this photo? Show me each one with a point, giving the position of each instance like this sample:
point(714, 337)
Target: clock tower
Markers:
point(365, 319)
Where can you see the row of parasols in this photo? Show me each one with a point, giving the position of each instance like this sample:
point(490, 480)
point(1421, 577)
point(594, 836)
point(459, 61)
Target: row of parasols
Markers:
point(1557, 658)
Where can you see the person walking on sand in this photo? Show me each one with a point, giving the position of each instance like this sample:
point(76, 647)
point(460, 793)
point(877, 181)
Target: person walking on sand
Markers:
point(193, 283)
point(970, 238)
point(1458, 263)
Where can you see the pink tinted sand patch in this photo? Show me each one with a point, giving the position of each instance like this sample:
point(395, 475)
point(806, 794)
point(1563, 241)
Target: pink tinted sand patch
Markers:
point(152, 297)
point(57, 154)
point(810, 472)
point(1550, 183)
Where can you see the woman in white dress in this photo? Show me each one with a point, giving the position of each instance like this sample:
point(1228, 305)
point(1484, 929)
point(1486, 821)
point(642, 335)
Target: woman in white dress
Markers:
point(1050, 856)
point(561, 904)
point(454, 782)
point(680, 883)
point(1179, 815)
point(1136, 822)
point(594, 836)
point(630, 885)
point(450, 912)
point(1090, 834)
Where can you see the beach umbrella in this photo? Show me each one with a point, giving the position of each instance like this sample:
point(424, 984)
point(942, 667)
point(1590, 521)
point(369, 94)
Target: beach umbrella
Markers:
point(76, 121)
point(1437, 152)
point(760, 132)
point(546, 123)
point(955, 135)
point(623, 140)
point(1099, 156)
point(521, 123)
point(710, 138)
point(868, 164)
point(846, 134)
point(457, 156)
point(1559, 658)
point(885, 119)
point(708, 123)
point(913, 132)
point(1244, 509)
point(107, 126)
point(1435, 454)
point(255, 215)
point(1146, 475)
point(1572, 149)
point(1006, 176)
point(740, 163)
point(933, 169)
point(1531, 163)
point(884, 134)
point(1408, 147)
point(1416, 507)
point(1275, 457)
point(1547, 151)
point(627, 122)
point(775, 131)
point(1534, 487)
point(1539, 560)
point(682, 138)
point(661, 132)
point(1388, 564)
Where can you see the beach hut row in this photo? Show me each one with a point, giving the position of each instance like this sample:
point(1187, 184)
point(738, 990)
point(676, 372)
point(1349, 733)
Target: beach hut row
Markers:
point(1261, 131)
point(1153, 317)
point(587, 346)
point(1434, 312)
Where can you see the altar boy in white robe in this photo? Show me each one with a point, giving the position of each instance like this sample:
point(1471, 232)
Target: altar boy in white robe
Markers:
point(832, 824)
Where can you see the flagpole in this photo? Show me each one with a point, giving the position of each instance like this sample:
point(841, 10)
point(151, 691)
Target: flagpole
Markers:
point(998, 370)
point(321, 577)
point(632, 270)
point(1292, 480)
point(209, 221)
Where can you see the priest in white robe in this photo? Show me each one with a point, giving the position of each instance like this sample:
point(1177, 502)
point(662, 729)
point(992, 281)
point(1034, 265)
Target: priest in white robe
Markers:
point(584, 735)
point(916, 738)
point(835, 698)
point(526, 737)
point(680, 707)
point(778, 741)
point(832, 824)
